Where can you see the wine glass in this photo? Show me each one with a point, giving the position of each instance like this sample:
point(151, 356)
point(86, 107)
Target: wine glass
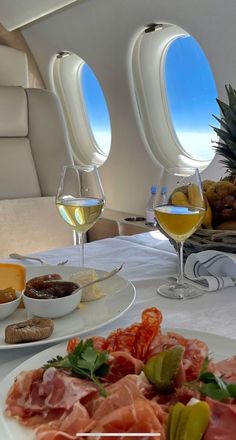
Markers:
point(179, 215)
point(80, 200)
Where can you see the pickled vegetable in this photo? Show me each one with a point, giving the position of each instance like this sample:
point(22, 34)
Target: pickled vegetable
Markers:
point(188, 422)
point(173, 421)
point(162, 369)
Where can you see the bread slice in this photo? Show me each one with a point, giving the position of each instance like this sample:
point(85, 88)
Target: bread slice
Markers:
point(33, 329)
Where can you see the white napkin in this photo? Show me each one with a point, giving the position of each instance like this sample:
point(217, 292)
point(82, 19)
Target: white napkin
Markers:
point(211, 270)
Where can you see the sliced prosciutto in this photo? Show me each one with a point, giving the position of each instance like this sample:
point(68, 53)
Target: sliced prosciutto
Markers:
point(40, 396)
point(123, 363)
point(121, 393)
point(126, 409)
point(141, 416)
point(227, 369)
point(78, 407)
point(222, 425)
point(68, 426)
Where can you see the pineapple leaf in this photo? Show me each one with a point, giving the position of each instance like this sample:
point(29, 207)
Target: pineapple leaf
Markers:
point(228, 112)
point(223, 106)
point(231, 95)
point(228, 126)
point(224, 135)
point(229, 149)
point(226, 145)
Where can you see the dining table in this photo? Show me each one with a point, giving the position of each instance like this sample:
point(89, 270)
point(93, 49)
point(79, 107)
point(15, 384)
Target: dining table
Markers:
point(148, 259)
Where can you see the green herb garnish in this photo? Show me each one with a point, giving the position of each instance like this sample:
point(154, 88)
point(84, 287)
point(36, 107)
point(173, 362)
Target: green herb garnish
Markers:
point(84, 361)
point(215, 387)
point(212, 385)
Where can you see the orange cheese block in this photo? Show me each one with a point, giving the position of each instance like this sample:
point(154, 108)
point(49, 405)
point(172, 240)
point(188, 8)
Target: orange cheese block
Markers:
point(12, 275)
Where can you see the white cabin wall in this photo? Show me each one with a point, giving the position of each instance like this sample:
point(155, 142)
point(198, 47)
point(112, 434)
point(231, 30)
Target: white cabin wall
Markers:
point(102, 32)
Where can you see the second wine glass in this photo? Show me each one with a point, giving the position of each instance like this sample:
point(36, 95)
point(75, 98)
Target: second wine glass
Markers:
point(80, 200)
point(179, 215)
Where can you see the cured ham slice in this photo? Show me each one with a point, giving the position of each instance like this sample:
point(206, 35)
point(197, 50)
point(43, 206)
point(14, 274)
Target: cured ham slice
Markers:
point(21, 402)
point(227, 369)
point(140, 416)
point(41, 396)
point(121, 393)
point(222, 425)
point(68, 426)
point(126, 409)
point(195, 353)
point(122, 364)
point(60, 406)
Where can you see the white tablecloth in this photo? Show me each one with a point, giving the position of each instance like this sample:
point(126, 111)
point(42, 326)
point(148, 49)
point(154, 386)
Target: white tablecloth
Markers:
point(147, 258)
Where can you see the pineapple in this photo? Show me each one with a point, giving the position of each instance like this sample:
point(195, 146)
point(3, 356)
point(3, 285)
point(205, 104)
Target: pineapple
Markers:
point(222, 195)
point(226, 147)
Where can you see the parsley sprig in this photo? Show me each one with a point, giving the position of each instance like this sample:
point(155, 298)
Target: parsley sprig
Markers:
point(84, 361)
point(212, 385)
point(215, 387)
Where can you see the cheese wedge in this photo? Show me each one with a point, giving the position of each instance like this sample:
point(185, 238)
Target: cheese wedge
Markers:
point(90, 293)
point(12, 275)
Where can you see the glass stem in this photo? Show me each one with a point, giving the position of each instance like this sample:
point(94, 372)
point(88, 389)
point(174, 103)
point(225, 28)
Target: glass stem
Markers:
point(180, 279)
point(75, 238)
point(81, 246)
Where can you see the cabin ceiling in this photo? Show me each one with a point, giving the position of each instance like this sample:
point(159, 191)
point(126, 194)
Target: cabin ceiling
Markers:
point(15, 14)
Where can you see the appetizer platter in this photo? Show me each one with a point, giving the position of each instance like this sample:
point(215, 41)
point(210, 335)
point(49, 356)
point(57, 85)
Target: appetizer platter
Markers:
point(41, 290)
point(140, 379)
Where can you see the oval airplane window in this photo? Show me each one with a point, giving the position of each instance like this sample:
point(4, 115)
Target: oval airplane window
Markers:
point(174, 96)
point(84, 107)
point(96, 107)
point(191, 95)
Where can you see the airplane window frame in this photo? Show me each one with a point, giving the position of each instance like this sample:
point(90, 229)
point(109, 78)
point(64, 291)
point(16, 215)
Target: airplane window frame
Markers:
point(65, 76)
point(147, 81)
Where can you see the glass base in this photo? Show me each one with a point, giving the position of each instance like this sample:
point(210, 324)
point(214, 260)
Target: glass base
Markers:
point(175, 291)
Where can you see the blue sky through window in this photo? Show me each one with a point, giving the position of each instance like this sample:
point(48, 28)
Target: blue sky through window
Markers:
point(191, 94)
point(96, 108)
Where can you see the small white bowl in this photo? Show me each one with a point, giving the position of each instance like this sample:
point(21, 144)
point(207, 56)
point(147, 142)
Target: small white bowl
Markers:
point(52, 307)
point(6, 309)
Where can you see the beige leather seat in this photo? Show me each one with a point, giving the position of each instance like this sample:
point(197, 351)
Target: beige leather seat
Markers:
point(14, 67)
point(33, 149)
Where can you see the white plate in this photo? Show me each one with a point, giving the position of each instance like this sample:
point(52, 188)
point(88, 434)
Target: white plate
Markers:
point(220, 348)
point(119, 295)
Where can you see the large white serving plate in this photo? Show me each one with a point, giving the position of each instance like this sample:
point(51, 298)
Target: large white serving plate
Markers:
point(119, 295)
point(220, 348)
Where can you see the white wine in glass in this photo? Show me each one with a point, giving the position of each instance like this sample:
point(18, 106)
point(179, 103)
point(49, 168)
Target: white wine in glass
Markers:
point(80, 200)
point(179, 217)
